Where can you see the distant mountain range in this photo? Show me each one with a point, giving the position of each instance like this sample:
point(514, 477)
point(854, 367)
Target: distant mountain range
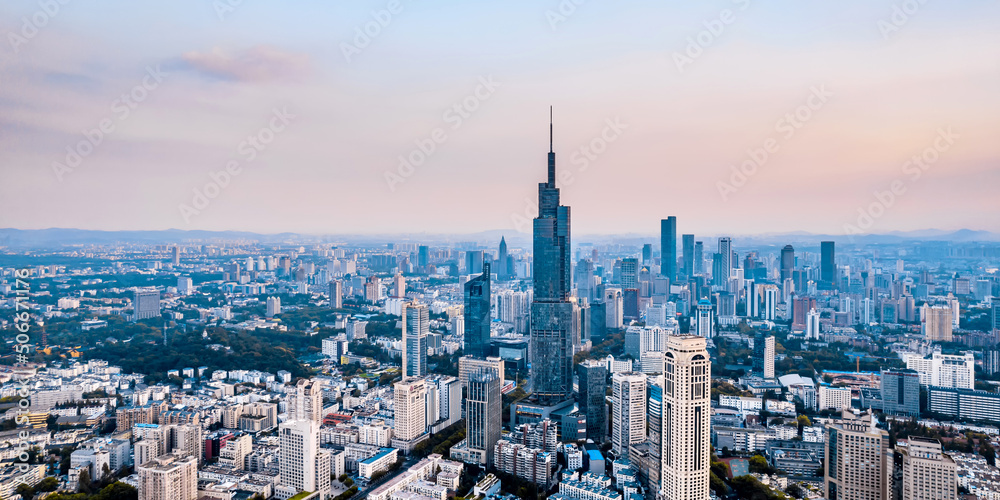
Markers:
point(59, 237)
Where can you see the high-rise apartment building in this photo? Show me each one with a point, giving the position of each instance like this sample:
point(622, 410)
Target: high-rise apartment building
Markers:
point(686, 415)
point(704, 320)
point(593, 384)
point(145, 303)
point(668, 248)
point(169, 477)
point(477, 314)
point(551, 341)
point(763, 355)
point(628, 412)
point(483, 414)
point(273, 306)
point(416, 325)
point(302, 466)
point(336, 294)
point(812, 325)
point(859, 461)
point(928, 474)
point(936, 323)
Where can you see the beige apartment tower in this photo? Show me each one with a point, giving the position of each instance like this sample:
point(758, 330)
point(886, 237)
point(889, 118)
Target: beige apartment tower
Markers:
point(686, 415)
point(859, 461)
point(928, 474)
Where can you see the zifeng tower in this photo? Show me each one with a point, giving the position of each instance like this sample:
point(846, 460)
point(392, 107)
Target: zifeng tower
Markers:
point(551, 347)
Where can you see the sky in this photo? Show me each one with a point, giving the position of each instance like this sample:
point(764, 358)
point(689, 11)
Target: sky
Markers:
point(738, 117)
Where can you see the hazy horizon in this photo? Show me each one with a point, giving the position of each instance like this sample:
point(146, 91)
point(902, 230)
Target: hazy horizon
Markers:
point(672, 116)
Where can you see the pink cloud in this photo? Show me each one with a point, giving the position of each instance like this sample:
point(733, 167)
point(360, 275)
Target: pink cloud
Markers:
point(256, 64)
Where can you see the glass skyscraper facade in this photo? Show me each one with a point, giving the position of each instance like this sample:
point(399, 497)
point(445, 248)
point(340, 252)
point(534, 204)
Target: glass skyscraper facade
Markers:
point(668, 248)
point(477, 314)
point(551, 347)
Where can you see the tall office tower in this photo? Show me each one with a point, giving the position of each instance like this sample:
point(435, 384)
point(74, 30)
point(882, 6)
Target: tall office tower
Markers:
point(175, 255)
point(583, 277)
point(415, 327)
point(614, 304)
point(410, 409)
point(936, 323)
point(647, 254)
point(593, 387)
point(787, 262)
point(828, 263)
point(704, 320)
point(687, 254)
point(686, 414)
point(551, 347)
point(995, 315)
point(726, 251)
point(503, 272)
point(628, 412)
point(900, 389)
point(859, 461)
point(752, 299)
point(305, 401)
point(763, 355)
point(928, 474)
point(770, 302)
point(372, 289)
point(654, 411)
point(477, 314)
point(169, 477)
point(474, 262)
point(719, 276)
point(668, 248)
point(812, 325)
point(423, 257)
point(483, 412)
point(145, 303)
point(630, 273)
point(297, 464)
point(699, 257)
point(398, 286)
point(336, 294)
point(273, 306)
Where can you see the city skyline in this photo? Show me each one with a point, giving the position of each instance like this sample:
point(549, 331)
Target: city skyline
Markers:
point(345, 118)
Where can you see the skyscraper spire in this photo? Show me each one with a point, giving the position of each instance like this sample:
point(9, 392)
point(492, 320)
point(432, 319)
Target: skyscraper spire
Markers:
point(552, 155)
